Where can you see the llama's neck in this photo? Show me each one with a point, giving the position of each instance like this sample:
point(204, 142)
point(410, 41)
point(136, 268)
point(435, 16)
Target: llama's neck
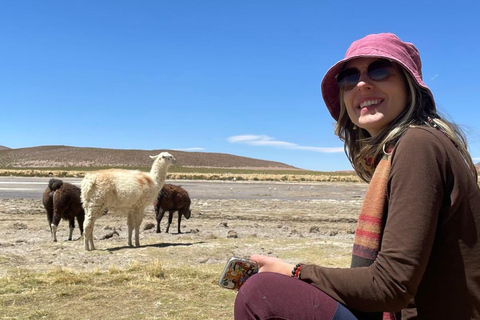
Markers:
point(159, 172)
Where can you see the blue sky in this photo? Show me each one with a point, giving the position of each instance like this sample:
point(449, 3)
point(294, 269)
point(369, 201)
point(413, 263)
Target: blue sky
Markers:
point(237, 77)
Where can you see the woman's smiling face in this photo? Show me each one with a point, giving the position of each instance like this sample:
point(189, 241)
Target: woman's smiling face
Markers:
point(373, 105)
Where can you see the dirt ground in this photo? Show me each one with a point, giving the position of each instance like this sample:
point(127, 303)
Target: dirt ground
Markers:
point(328, 215)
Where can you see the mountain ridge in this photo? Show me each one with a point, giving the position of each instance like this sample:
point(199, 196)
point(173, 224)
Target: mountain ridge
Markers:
point(58, 156)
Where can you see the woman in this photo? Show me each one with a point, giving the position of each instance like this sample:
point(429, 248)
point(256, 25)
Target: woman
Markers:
point(416, 252)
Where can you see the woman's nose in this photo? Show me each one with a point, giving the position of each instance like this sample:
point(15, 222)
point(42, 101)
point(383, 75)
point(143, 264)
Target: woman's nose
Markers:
point(364, 81)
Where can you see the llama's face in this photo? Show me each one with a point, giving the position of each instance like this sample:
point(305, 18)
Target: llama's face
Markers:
point(165, 156)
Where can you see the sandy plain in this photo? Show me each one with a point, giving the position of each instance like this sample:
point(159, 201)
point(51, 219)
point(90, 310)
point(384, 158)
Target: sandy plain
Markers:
point(228, 219)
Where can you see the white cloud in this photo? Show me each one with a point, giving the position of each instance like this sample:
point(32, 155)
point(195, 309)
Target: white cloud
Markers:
point(262, 140)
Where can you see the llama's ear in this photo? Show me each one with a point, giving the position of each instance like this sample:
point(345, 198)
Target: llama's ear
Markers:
point(154, 157)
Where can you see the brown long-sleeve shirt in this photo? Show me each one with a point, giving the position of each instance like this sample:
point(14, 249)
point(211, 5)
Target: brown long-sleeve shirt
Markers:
point(430, 249)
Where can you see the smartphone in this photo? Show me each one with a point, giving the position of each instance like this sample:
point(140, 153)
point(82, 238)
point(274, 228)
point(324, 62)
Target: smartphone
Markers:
point(236, 272)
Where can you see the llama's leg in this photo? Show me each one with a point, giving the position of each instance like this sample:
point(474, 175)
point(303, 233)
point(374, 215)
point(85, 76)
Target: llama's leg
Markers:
point(54, 232)
point(80, 219)
point(71, 224)
point(88, 227)
point(179, 220)
point(91, 214)
point(130, 225)
point(159, 216)
point(170, 218)
point(55, 221)
point(50, 219)
point(50, 212)
point(138, 223)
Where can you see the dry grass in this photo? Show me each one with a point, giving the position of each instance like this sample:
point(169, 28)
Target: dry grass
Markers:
point(140, 291)
point(147, 290)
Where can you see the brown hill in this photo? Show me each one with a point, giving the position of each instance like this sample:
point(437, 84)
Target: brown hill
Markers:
point(4, 148)
point(65, 156)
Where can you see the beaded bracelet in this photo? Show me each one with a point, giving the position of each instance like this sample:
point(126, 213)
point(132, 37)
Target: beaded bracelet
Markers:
point(296, 270)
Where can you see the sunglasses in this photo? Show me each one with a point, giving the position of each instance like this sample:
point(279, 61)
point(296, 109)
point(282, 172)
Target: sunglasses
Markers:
point(379, 70)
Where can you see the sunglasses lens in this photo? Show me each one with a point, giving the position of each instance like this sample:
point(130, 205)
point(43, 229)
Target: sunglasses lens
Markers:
point(347, 79)
point(380, 70)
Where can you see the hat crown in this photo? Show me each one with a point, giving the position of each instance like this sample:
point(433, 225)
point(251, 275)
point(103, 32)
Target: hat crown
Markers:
point(387, 45)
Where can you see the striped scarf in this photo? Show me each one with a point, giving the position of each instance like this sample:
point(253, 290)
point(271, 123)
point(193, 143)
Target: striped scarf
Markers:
point(371, 221)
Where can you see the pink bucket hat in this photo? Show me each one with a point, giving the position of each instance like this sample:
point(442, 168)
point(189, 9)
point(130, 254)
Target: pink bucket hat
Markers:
point(381, 45)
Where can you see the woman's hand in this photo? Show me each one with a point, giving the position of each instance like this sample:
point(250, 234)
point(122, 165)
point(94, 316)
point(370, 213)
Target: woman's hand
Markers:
point(271, 264)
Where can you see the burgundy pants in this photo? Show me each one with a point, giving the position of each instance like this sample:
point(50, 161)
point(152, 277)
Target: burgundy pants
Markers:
point(269, 296)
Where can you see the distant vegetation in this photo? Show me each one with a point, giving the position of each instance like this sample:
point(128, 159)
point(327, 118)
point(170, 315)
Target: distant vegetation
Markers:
point(190, 173)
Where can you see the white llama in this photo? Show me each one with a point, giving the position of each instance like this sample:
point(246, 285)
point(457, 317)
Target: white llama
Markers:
point(127, 191)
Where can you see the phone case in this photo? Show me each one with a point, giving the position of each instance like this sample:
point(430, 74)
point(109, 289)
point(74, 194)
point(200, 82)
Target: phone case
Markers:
point(236, 272)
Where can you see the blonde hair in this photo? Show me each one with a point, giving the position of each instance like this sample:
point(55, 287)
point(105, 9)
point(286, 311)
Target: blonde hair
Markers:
point(364, 151)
